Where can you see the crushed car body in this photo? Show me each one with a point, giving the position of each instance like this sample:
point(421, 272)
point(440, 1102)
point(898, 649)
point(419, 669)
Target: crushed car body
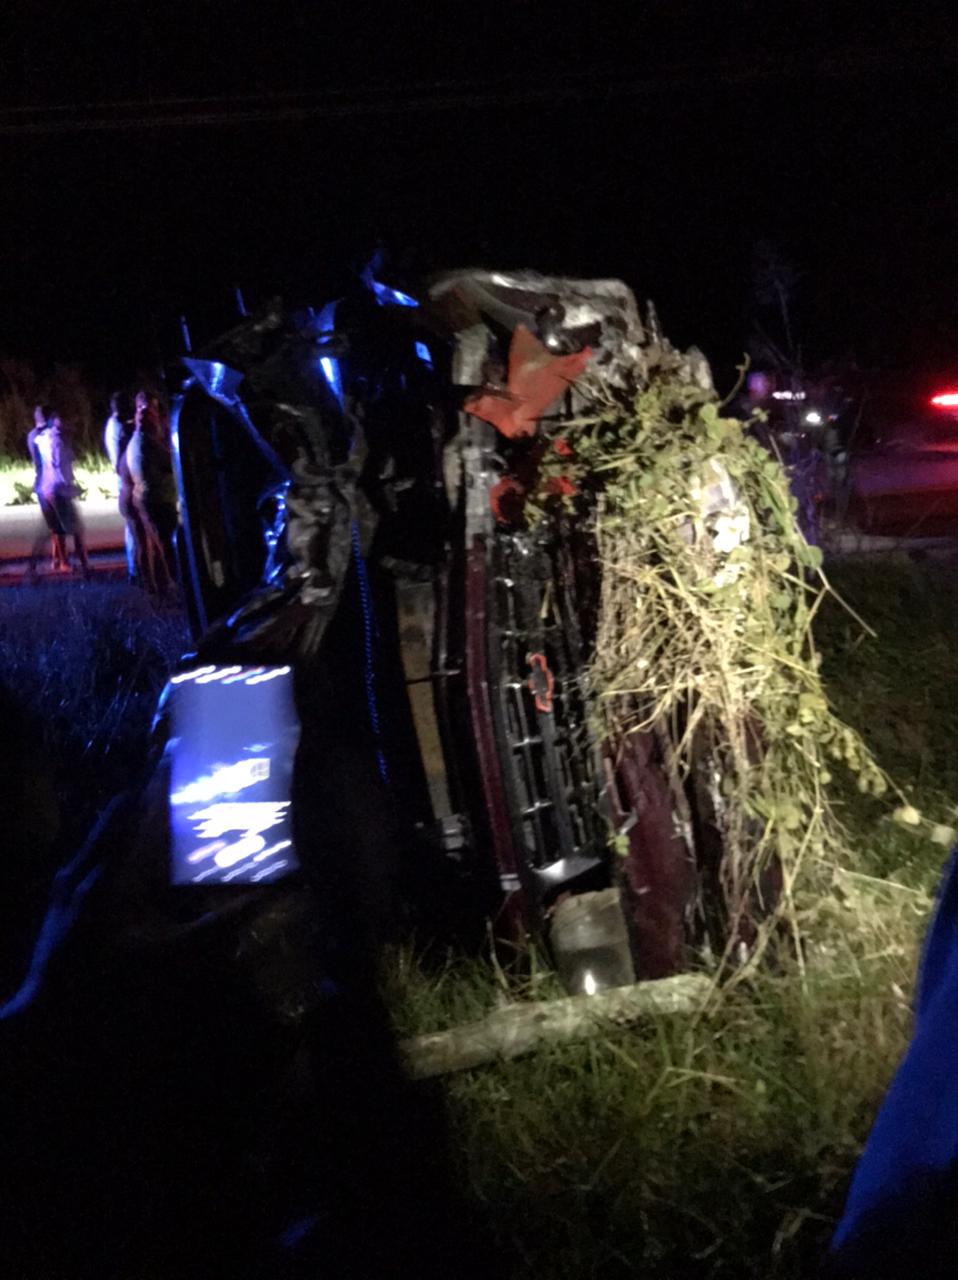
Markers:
point(352, 489)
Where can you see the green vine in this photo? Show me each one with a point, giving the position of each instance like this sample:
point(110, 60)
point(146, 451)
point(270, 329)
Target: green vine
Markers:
point(708, 595)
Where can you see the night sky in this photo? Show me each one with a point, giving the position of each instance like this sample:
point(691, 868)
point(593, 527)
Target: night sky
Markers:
point(155, 155)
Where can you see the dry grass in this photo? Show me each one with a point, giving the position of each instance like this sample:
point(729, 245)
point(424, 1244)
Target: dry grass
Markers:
point(723, 1147)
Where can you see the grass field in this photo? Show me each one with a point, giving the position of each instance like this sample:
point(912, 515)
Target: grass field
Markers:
point(88, 660)
point(712, 1148)
point(723, 1147)
point(81, 666)
point(92, 472)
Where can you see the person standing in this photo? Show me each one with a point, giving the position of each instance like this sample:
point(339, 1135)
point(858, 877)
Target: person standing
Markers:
point(117, 435)
point(57, 490)
point(54, 531)
point(150, 463)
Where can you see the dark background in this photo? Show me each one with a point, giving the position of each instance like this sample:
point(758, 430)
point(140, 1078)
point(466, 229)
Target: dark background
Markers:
point(153, 155)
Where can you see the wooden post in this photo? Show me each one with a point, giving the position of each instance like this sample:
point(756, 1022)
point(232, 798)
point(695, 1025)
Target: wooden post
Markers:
point(517, 1029)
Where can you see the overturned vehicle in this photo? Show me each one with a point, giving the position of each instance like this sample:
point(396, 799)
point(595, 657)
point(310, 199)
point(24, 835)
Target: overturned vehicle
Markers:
point(388, 694)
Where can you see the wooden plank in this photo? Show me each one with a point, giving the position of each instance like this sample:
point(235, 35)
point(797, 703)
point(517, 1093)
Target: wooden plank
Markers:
point(518, 1029)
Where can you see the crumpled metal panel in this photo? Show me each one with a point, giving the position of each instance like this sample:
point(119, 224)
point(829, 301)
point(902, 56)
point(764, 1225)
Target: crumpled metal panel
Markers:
point(537, 380)
point(217, 379)
point(291, 615)
point(566, 315)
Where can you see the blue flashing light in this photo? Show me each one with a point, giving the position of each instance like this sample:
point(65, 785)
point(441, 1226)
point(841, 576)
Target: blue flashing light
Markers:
point(332, 371)
point(422, 351)
point(389, 297)
point(333, 376)
point(217, 377)
point(326, 320)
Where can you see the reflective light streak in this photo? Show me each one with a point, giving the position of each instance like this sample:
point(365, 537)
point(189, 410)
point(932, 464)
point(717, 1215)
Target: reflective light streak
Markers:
point(240, 851)
point(190, 675)
point(274, 848)
point(225, 780)
point(388, 297)
point(422, 351)
point(269, 871)
point(330, 366)
point(269, 675)
point(230, 805)
point(229, 675)
point(218, 674)
point(249, 816)
point(245, 674)
point(205, 851)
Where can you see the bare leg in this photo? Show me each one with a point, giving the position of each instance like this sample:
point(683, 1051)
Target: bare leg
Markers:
point(79, 546)
point(42, 541)
point(79, 543)
point(139, 549)
point(129, 546)
point(39, 547)
point(156, 575)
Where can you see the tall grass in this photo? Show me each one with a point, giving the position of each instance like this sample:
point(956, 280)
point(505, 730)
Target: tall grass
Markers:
point(92, 472)
point(710, 1148)
point(723, 1146)
point(87, 662)
point(81, 666)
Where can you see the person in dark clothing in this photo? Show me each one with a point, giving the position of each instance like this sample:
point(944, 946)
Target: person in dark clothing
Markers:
point(899, 1220)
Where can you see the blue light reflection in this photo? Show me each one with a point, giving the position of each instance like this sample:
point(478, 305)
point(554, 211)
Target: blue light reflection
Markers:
point(234, 734)
point(330, 365)
point(389, 297)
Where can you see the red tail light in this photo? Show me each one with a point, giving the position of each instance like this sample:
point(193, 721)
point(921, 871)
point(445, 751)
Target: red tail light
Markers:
point(945, 400)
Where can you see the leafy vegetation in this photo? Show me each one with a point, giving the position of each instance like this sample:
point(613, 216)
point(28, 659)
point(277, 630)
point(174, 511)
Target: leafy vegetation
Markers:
point(709, 592)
